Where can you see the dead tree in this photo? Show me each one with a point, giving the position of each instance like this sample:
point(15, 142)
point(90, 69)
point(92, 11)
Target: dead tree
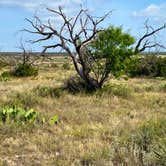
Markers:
point(75, 32)
point(145, 41)
point(27, 57)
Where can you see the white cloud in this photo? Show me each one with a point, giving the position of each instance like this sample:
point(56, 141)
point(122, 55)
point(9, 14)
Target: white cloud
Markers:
point(32, 5)
point(157, 12)
point(38, 7)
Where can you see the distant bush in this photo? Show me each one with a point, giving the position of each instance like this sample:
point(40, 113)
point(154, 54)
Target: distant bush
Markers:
point(54, 65)
point(24, 70)
point(66, 66)
point(149, 65)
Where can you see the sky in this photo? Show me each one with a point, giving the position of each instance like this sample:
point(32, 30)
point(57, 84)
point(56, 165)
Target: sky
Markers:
point(130, 14)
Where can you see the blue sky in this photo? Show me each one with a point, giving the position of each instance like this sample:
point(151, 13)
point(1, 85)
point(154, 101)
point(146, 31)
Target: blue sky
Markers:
point(131, 14)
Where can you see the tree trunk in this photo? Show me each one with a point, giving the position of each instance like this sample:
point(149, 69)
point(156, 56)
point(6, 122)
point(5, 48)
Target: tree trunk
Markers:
point(91, 83)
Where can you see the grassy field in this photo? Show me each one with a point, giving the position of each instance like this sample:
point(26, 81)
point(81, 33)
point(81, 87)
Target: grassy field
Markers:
point(115, 126)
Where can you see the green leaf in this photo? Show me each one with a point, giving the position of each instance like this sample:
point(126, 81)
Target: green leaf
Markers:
point(54, 119)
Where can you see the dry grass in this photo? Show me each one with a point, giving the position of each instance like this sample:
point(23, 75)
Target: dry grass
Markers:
point(89, 125)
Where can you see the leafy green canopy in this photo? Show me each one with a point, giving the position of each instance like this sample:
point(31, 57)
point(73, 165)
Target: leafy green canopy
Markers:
point(111, 48)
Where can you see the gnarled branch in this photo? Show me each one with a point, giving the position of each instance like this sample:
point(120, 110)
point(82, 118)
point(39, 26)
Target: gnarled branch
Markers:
point(144, 42)
point(74, 32)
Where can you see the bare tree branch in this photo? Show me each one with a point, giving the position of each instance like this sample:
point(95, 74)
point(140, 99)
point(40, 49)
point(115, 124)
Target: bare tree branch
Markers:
point(144, 42)
point(27, 56)
point(74, 32)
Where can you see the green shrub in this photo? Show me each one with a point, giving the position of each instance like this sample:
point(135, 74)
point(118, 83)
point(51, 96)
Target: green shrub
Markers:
point(24, 70)
point(16, 114)
point(3, 64)
point(54, 120)
point(75, 85)
point(66, 66)
point(147, 144)
point(26, 100)
point(54, 65)
point(46, 91)
point(162, 88)
point(119, 90)
point(149, 133)
point(98, 157)
point(160, 152)
point(148, 65)
point(5, 76)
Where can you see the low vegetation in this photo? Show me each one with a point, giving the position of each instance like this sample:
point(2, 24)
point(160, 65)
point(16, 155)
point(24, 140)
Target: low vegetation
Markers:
point(24, 70)
point(80, 112)
point(20, 70)
point(148, 65)
point(16, 114)
point(44, 121)
point(146, 143)
point(5, 76)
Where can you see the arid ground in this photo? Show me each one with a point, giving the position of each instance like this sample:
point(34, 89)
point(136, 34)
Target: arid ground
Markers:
point(90, 129)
